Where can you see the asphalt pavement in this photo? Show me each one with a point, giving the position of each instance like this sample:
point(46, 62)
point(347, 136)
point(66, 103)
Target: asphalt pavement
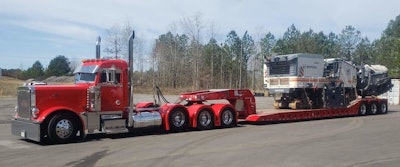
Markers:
point(366, 141)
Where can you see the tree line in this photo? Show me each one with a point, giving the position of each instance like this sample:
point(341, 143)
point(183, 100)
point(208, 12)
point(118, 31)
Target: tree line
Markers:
point(58, 66)
point(184, 61)
point(180, 60)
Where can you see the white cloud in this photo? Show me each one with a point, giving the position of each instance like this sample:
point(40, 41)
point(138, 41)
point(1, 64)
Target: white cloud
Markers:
point(66, 23)
point(153, 16)
point(58, 28)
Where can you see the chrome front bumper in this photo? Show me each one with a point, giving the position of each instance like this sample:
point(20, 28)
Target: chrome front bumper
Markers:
point(26, 130)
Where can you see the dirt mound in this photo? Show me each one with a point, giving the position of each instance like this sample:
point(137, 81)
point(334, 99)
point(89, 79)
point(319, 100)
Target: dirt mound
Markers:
point(8, 85)
point(60, 79)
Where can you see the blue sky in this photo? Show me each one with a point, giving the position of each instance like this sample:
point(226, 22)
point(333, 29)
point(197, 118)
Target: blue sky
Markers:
point(42, 29)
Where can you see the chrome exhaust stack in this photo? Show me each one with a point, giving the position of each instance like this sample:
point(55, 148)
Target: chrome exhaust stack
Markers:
point(130, 80)
point(98, 47)
point(130, 74)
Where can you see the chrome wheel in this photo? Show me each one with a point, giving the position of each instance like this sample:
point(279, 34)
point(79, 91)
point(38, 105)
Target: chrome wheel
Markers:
point(178, 118)
point(373, 109)
point(64, 128)
point(228, 118)
point(363, 109)
point(383, 108)
point(204, 120)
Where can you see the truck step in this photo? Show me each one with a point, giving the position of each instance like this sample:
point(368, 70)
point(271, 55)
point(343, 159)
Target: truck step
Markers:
point(111, 126)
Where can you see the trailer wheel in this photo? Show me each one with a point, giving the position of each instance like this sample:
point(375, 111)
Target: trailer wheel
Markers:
point(363, 109)
point(62, 129)
point(373, 109)
point(205, 120)
point(383, 108)
point(228, 118)
point(178, 120)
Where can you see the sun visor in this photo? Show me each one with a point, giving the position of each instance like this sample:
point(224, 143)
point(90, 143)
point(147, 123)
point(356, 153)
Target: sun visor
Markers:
point(86, 69)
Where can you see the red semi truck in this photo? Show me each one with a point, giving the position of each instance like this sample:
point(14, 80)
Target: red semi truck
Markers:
point(100, 101)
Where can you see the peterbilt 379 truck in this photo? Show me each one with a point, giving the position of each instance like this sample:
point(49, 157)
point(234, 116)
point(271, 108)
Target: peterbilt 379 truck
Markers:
point(101, 101)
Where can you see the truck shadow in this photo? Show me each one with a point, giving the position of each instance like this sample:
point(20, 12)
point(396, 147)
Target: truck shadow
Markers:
point(152, 131)
point(134, 133)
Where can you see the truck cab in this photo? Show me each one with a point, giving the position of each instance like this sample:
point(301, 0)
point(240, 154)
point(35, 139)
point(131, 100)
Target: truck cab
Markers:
point(107, 76)
point(62, 113)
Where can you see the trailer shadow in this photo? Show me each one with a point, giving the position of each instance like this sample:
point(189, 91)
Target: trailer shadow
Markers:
point(158, 131)
point(315, 119)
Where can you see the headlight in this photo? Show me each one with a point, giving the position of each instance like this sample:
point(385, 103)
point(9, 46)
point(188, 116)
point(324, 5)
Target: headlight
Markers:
point(35, 112)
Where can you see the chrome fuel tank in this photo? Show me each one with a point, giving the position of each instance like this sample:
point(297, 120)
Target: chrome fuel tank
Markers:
point(146, 119)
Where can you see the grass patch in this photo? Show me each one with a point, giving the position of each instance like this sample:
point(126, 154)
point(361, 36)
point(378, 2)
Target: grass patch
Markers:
point(8, 86)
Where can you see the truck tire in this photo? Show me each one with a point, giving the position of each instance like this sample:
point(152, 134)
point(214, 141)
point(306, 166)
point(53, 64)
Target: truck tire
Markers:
point(383, 108)
point(178, 120)
point(228, 118)
point(62, 129)
point(372, 109)
point(363, 109)
point(205, 120)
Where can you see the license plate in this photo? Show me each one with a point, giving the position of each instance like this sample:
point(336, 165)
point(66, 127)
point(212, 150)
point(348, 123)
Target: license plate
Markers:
point(23, 134)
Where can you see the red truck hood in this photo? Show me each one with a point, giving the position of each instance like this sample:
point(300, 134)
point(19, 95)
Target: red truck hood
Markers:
point(68, 97)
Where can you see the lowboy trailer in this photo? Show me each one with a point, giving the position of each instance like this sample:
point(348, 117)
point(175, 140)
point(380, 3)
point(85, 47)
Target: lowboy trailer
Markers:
point(244, 104)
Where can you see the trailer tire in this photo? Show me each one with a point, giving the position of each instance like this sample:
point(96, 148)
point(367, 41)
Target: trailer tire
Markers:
point(205, 120)
point(383, 108)
point(178, 120)
point(228, 118)
point(363, 109)
point(62, 129)
point(372, 109)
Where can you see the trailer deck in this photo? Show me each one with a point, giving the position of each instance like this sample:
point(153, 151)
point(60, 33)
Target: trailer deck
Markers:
point(362, 106)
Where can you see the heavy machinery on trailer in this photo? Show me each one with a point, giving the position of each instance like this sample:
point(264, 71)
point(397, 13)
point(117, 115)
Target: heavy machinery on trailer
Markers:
point(101, 101)
point(308, 81)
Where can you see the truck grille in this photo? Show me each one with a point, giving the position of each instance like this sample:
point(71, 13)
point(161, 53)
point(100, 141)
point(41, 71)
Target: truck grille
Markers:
point(24, 102)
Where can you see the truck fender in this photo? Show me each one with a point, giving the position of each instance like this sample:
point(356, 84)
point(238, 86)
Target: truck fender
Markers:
point(194, 112)
point(165, 111)
point(218, 108)
point(44, 114)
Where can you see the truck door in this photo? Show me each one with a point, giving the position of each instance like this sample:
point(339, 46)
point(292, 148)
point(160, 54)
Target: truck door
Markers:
point(111, 90)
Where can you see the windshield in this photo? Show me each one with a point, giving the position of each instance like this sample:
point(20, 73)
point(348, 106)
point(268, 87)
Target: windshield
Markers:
point(85, 77)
